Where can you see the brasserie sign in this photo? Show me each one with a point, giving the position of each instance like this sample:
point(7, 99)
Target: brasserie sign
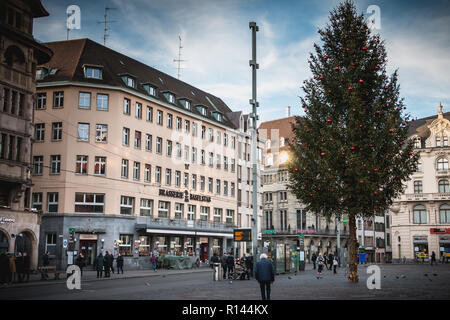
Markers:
point(185, 195)
point(4, 220)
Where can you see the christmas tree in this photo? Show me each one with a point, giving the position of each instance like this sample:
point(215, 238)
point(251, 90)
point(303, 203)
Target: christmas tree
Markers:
point(351, 155)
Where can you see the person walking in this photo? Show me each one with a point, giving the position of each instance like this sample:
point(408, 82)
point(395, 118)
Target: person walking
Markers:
point(106, 264)
point(45, 263)
point(80, 262)
point(111, 262)
point(119, 262)
point(223, 261)
point(230, 264)
point(320, 262)
point(433, 258)
point(100, 264)
point(26, 266)
point(313, 259)
point(265, 275)
point(335, 264)
point(330, 260)
point(249, 266)
point(12, 269)
point(154, 261)
point(214, 259)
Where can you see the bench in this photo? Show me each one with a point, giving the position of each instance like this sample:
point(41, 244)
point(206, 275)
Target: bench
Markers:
point(49, 269)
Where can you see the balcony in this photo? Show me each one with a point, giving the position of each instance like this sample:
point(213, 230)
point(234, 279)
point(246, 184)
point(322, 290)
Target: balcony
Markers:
point(183, 224)
point(425, 196)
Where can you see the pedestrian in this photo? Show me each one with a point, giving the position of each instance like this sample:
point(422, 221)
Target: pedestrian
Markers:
point(249, 266)
point(320, 262)
point(111, 263)
point(433, 258)
point(230, 264)
point(335, 264)
point(119, 262)
point(313, 259)
point(106, 261)
point(154, 261)
point(214, 259)
point(80, 262)
point(330, 260)
point(19, 266)
point(100, 264)
point(26, 266)
point(4, 268)
point(45, 263)
point(265, 275)
point(12, 269)
point(223, 261)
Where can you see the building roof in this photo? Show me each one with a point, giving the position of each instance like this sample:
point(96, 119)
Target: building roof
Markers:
point(70, 57)
point(284, 126)
point(420, 126)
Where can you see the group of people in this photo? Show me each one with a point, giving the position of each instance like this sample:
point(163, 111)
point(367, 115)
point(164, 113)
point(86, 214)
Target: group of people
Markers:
point(14, 268)
point(330, 261)
point(105, 263)
point(227, 262)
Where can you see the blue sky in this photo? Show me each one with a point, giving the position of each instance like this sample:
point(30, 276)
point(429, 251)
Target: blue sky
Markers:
point(216, 44)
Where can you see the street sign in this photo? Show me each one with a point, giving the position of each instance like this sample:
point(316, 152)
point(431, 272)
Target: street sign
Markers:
point(270, 232)
point(65, 243)
point(242, 234)
point(301, 235)
point(72, 229)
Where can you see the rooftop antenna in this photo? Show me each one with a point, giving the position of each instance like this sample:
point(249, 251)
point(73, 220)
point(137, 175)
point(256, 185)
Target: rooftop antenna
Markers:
point(179, 58)
point(105, 22)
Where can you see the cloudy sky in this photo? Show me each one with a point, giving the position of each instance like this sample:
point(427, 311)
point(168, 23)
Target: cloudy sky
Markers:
point(216, 42)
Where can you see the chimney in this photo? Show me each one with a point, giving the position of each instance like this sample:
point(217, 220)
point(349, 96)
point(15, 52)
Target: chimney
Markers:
point(288, 111)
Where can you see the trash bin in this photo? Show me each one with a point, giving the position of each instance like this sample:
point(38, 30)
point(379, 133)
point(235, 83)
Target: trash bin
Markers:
point(217, 271)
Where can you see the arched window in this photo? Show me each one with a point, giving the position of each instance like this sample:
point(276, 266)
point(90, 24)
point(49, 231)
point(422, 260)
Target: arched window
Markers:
point(442, 164)
point(418, 186)
point(444, 186)
point(420, 214)
point(444, 212)
point(14, 54)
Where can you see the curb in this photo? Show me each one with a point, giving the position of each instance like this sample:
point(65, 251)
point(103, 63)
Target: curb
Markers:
point(53, 282)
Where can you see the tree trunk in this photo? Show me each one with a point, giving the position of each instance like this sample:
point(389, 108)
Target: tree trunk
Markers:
point(352, 250)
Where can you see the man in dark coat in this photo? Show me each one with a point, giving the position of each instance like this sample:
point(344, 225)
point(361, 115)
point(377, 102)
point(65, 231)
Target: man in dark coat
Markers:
point(313, 259)
point(330, 260)
point(26, 266)
point(249, 265)
point(100, 264)
point(106, 261)
point(265, 274)
point(119, 263)
point(45, 263)
point(230, 265)
point(223, 261)
point(80, 262)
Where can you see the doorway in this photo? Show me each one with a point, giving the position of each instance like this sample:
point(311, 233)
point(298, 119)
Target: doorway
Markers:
point(89, 250)
point(204, 252)
point(24, 243)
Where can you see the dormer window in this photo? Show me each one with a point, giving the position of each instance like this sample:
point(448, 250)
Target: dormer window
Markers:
point(218, 116)
point(150, 89)
point(203, 110)
point(41, 73)
point(129, 81)
point(170, 97)
point(186, 104)
point(92, 72)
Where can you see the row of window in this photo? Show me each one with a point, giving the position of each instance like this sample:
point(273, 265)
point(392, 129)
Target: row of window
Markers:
point(268, 196)
point(441, 141)
point(12, 102)
point(420, 214)
point(280, 176)
point(443, 186)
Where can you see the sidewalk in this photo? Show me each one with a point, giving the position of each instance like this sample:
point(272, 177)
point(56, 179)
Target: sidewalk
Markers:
point(91, 275)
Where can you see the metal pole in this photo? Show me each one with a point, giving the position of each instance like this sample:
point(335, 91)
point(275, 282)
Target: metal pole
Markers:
point(254, 118)
point(338, 240)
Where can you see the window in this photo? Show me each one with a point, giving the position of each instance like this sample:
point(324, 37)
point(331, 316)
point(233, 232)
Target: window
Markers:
point(163, 209)
point(126, 106)
point(148, 142)
point(186, 179)
point(136, 170)
point(146, 208)
point(126, 136)
point(233, 165)
point(84, 100)
point(191, 212)
point(129, 81)
point(177, 178)
point(418, 187)
point(225, 188)
point(186, 153)
point(38, 162)
point(219, 137)
point(179, 124)
point(225, 139)
point(217, 186)
point(178, 151)
point(218, 161)
point(179, 208)
point(126, 241)
point(147, 173)
point(83, 131)
point(217, 215)
point(232, 188)
point(438, 141)
point(39, 131)
point(283, 196)
point(90, 72)
point(171, 98)
point(150, 89)
point(90, 202)
point(102, 101)
point(158, 145)
point(194, 155)
point(126, 205)
point(202, 183)
point(50, 243)
point(283, 220)
point(124, 172)
point(187, 105)
point(168, 176)
point(158, 175)
point(444, 212)
point(419, 166)
point(55, 164)
point(233, 142)
point(58, 99)
point(202, 157)
point(101, 132)
point(81, 165)
point(138, 113)
point(169, 121)
point(211, 135)
point(36, 201)
point(137, 139)
point(211, 159)
point(169, 148)
point(57, 131)
point(41, 100)
point(420, 214)
point(230, 216)
point(100, 166)
point(445, 141)
point(203, 132)
point(194, 129)
point(204, 213)
point(52, 202)
point(187, 126)
point(194, 181)
point(442, 164)
point(159, 119)
point(444, 186)
point(225, 163)
point(149, 114)
point(210, 185)
point(144, 246)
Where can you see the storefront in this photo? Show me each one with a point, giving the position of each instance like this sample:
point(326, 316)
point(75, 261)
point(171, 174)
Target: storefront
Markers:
point(420, 245)
point(444, 248)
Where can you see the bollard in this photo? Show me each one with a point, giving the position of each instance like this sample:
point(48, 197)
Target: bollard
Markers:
point(217, 275)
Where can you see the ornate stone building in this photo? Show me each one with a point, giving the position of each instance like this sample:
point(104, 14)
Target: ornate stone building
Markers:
point(421, 215)
point(19, 55)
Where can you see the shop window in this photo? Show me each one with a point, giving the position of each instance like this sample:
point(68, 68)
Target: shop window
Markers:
point(125, 246)
point(144, 246)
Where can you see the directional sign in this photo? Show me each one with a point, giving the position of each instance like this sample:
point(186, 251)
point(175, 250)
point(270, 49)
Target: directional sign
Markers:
point(242, 234)
point(65, 243)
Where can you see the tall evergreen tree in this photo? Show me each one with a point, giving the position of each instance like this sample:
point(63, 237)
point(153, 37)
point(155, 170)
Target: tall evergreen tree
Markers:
point(350, 150)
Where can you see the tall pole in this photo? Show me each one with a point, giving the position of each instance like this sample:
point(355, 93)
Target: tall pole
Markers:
point(254, 118)
point(338, 240)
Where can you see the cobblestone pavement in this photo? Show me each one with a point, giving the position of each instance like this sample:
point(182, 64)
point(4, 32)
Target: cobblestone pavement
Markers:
point(397, 282)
